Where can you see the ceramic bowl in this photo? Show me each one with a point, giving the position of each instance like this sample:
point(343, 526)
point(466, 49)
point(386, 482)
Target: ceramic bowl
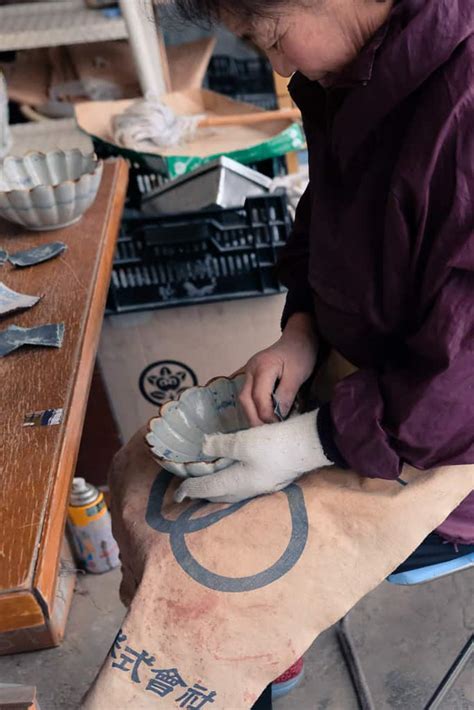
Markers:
point(175, 437)
point(48, 190)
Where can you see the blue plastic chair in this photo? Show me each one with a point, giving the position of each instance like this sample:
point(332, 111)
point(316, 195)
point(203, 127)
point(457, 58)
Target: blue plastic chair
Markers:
point(411, 578)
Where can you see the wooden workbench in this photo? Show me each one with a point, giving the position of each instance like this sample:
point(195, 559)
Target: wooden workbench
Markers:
point(37, 463)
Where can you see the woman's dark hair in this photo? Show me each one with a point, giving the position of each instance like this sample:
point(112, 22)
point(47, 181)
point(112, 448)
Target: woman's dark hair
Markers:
point(209, 11)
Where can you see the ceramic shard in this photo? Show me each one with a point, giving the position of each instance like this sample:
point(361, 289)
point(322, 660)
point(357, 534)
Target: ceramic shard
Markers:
point(13, 301)
point(14, 337)
point(29, 257)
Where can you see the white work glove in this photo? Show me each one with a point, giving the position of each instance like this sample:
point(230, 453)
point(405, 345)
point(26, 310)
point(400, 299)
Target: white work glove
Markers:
point(268, 458)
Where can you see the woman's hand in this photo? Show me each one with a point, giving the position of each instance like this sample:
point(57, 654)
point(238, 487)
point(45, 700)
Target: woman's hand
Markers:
point(289, 361)
point(268, 459)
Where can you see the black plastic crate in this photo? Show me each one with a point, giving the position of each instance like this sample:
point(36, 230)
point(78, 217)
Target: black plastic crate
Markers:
point(266, 101)
point(272, 167)
point(199, 257)
point(141, 181)
point(232, 76)
point(249, 80)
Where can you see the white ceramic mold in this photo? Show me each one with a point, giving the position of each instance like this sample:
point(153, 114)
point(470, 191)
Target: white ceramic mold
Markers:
point(43, 191)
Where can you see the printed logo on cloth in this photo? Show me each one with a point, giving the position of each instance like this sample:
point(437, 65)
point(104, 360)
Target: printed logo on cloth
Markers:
point(186, 524)
point(138, 665)
point(165, 380)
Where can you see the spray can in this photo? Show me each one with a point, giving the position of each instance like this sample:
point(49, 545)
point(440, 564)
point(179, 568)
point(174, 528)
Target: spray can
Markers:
point(91, 528)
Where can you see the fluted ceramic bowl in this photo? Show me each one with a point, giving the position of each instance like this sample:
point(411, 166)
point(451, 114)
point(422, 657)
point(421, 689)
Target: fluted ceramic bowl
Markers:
point(50, 190)
point(175, 437)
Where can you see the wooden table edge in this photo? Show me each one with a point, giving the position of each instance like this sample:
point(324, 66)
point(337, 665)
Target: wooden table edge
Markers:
point(45, 574)
point(24, 610)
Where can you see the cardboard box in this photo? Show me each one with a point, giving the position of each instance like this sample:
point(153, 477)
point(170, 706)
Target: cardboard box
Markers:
point(148, 358)
point(247, 143)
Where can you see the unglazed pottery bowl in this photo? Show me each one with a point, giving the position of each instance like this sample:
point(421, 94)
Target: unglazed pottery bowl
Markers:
point(43, 191)
point(175, 437)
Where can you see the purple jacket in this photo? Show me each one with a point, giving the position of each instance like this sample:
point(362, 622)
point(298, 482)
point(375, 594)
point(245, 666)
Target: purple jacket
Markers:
point(383, 245)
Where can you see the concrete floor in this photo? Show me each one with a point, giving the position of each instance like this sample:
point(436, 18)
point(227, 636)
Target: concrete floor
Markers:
point(406, 638)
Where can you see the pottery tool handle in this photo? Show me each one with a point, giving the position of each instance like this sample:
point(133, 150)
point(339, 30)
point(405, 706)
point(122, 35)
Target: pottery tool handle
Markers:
point(246, 119)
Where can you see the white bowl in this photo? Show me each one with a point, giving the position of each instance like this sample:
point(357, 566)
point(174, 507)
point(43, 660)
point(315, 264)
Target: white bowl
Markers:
point(175, 437)
point(48, 190)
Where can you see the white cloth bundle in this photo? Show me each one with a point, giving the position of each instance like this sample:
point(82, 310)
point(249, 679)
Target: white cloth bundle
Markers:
point(150, 123)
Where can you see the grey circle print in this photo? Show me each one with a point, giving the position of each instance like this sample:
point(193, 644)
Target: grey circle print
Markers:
point(185, 524)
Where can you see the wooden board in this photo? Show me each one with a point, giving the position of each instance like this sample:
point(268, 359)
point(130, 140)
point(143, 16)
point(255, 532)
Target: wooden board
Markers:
point(37, 463)
point(18, 697)
point(284, 100)
point(50, 630)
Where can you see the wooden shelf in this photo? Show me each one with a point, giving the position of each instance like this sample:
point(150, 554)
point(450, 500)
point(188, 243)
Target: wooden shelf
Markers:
point(54, 23)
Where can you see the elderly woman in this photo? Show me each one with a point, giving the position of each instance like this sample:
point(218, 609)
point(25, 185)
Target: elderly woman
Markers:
point(380, 265)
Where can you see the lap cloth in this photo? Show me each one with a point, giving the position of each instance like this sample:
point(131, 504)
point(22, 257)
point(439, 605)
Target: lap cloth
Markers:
point(222, 599)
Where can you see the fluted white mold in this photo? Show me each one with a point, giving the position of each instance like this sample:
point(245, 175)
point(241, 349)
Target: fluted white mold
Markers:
point(43, 191)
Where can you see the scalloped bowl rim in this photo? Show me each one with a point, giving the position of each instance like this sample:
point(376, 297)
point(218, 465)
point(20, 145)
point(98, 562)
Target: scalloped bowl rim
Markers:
point(97, 164)
point(173, 401)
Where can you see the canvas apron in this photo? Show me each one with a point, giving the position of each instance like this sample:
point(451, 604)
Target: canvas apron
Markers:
point(224, 599)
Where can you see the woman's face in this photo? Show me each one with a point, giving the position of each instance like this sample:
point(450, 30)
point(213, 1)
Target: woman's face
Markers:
point(317, 38)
